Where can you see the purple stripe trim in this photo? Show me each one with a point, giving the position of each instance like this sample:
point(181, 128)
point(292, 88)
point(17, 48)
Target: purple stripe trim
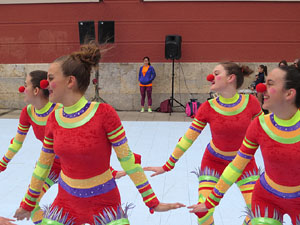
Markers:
point(228, 158)
point(275, 192)
point(46, 113)
point(8, 160)
point(47, 150)
point(244, 155)
point(37, 222)
point(22, 133)
point(195, 129)
point(90, 192)
point(142, 185)
point(79, 113)
point(120, 142)
point(57, 157)
point(175, 160)
point(33, 192)
point(291, 128)
point(229, 105)
point(213, 181)
point(218, 193)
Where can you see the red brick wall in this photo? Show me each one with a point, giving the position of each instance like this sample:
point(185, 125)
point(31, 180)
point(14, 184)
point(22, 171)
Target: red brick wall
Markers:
point(211, 31)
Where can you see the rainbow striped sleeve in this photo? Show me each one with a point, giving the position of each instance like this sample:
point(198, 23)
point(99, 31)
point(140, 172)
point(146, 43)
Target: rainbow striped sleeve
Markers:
point(232, 172)
point(128, 162)
point(15, 146)
point(185, 142)
point(39, 175)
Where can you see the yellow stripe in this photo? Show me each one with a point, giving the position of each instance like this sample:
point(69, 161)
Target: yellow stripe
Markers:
point(281, 188)
point(87, 183)
point(225, 153)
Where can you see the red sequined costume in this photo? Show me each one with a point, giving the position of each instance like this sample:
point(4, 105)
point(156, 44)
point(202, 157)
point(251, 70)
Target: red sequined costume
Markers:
point(278, 190)
point(37, 119)
point(228, 120)
point(82, 136)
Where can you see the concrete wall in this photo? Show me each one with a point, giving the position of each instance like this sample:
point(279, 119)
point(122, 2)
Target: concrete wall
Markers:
point(118, 83)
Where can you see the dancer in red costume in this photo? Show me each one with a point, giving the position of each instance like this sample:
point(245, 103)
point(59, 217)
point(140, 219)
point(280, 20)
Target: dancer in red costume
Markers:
point(82, 134)
point(229, 116)
point(277, 192)
point(35, 114)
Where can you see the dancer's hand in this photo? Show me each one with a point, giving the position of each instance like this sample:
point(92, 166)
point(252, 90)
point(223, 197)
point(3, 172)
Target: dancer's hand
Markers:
point(6, 221)
point(198, 208)
point(162, 207)
point(21, 214)
point(120, 174)
point(158, 170)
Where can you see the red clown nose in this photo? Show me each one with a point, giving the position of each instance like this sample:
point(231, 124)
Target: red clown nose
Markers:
point(21, 89)
point(210, 77)
point(261, 87)
point(44, 84)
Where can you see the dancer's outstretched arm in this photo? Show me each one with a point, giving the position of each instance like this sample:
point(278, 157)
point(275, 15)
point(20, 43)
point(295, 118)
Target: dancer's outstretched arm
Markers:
point(6, 221)
point(117, 137)
point(182, 146)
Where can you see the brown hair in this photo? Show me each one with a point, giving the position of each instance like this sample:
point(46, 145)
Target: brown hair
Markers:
point(80, 64)
point(292, 80)
point(239, 71)
point(36, 77)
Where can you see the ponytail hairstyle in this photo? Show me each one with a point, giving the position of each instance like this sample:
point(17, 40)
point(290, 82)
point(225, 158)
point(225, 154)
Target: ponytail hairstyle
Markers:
point(79, 64)
point(146, 57)
point(292, 80)
point(239, 71)
point(265, 69)
point(36, 77)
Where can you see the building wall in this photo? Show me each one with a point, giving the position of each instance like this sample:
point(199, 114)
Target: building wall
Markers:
point(33, 35)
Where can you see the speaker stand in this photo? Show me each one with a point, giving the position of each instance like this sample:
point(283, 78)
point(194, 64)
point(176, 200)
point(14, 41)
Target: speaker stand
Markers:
point(97, 98)
point(172, 99)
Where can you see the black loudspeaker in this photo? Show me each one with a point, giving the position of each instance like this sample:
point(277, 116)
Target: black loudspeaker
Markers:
point(86, 31)
point(173, 47)
point(106, 32)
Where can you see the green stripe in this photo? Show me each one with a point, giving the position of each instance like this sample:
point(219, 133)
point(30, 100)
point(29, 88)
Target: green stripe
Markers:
point(147, 193)
point(79, 123)
point(13, 150)
point(226, 181)
point(207, 177)
point(41, 123)
point(126, 158)
point(2, 161)
point(137, 169)
point(114, 130)
point(50, 222)
point(116, 135)
point(246, 180)
point(18, 142)
point(235, 169)
point(251, 142)
point(43, 165)
point(38, 177)
point(181, 148)
point(202, 220)
point(27, 196)
point(276, 137)
point(265, 221)
point(214, 198)
point(225, 113)
point(186, 139)
point(49, 139)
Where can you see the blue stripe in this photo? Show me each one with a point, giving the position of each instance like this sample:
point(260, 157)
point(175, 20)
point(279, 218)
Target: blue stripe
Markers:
point(195, 129)
point(275, 192)
point(120, 142)
point(22, 133)
point(89, 192)
point(227, 158)
point(244, 155)
point(142, 185)
point(47, 150)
